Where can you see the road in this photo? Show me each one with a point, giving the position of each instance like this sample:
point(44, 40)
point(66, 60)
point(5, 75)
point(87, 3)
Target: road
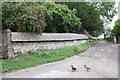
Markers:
point(101, 58)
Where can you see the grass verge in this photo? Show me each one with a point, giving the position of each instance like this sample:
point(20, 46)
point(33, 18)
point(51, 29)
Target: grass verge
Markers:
point(43, 56)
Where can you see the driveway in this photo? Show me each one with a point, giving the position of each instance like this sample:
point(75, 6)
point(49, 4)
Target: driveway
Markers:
point(101, 58)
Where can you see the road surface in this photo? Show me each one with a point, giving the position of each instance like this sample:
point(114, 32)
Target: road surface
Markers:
point(101, 58)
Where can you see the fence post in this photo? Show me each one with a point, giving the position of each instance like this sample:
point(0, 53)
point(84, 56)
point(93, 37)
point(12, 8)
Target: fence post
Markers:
point(7, 44)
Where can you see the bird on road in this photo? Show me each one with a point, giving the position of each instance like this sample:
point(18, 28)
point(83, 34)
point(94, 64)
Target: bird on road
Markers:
point(73, 68)
point(87, 68)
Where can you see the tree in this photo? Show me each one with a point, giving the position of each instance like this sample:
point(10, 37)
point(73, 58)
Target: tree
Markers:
point(89, 16)
point(116, 29)
point(22, 17)
point(29, 17)
point(60, 18)
point(106, 9)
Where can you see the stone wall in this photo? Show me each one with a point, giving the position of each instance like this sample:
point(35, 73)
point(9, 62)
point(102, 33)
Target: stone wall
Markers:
point(15, 42)
point(30, 46)
point(0, 51)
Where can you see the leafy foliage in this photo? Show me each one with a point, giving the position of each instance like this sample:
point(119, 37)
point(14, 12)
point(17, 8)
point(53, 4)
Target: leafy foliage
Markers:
point(116, 29)
point(89, 16)
point(23, 17)
point(106, 9)
point(26, 16)
point(60, 18)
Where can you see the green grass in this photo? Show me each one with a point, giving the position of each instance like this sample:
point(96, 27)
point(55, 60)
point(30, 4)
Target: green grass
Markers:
point(0, 66)
point(43, 56)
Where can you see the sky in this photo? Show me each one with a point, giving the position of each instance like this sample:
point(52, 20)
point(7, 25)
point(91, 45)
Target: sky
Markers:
point(116, 16)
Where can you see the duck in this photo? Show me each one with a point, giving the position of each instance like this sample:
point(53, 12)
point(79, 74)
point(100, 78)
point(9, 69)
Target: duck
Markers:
point(87, 68)
point(73, 68)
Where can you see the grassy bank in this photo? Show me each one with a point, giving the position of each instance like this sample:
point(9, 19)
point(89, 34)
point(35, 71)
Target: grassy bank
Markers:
point(43, 56)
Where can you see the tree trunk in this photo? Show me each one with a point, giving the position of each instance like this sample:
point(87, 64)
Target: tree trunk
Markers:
point(117, 39)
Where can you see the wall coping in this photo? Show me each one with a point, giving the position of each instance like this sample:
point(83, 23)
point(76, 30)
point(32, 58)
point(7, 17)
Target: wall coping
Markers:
point(32, 37)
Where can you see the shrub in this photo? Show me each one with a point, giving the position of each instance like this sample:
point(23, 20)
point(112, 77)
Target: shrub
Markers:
point(22, 16)
point(60, 18)
point(116, 30)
